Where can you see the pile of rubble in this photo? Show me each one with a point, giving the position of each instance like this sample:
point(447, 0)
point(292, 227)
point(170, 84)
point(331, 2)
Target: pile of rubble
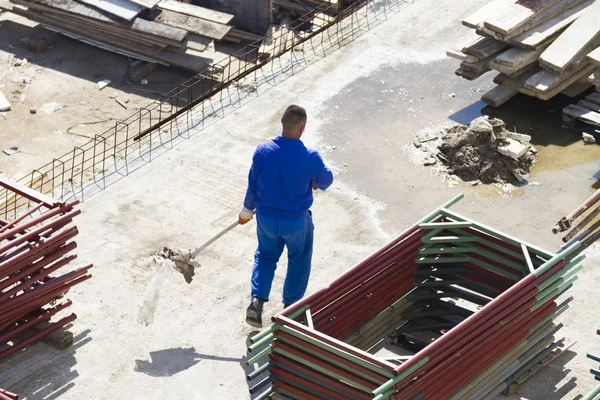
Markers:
point(485, 151)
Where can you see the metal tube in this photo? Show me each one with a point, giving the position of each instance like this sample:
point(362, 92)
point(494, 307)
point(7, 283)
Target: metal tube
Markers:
point(580, 226)
point(565, 222)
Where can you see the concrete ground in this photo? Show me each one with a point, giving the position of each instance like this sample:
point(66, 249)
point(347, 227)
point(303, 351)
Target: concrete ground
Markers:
point(365, 102)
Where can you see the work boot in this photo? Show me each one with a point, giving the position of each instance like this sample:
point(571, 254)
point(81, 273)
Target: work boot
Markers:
point(254, 312)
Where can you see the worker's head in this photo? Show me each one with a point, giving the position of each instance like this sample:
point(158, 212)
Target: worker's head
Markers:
point(294, 122)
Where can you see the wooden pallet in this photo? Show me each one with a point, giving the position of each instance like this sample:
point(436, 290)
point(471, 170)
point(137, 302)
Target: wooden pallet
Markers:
point(586, 111)
point(559, 351)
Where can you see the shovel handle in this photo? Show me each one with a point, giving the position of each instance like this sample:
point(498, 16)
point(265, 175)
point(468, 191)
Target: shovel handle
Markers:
point(214, 239)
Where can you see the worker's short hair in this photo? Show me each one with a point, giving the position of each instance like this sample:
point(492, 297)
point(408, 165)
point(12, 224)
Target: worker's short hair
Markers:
point(293, 117)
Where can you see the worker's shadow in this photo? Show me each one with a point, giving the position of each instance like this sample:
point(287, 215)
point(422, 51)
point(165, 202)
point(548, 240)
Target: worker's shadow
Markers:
point(173, 361)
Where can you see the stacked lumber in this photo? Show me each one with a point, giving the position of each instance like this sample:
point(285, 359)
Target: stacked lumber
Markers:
point(540, 48)
point(470, 311)
point(166, 32)
point(35, 247)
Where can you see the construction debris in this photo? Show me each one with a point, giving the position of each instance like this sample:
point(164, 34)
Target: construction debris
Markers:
point(10, 151)
point(103, 83)
point(499, 325)
point(36, 233)
point(540, 50)
point(165, 32)
point(485, 152)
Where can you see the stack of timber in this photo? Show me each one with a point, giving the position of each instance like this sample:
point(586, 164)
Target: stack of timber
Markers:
point(165, 32)
point(470, 312)
point(540, 48)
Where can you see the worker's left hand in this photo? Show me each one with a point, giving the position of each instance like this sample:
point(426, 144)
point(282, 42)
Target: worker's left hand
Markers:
point(245, 216)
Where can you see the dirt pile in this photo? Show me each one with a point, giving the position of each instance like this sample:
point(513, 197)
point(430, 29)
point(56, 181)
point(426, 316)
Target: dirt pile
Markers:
point(485, 151)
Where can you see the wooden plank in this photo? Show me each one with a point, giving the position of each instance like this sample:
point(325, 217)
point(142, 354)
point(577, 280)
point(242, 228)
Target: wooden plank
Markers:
point(516, 57)
point(121, 8)
point(195, 11)
point(544, 80)
point(85, 14)
point(582, 33)
point(594, 56)
point(578, 112)
point(532, 22)
point(484, 48)
point(565, 83)
point(190, 59)
point(500, 95)
point(576, 88)
point(516, 13)
point(193, 24)
point(593, 98)
point(140, 72)
point(150, 4)
point(589, 105)
point(485, 12)
point(543, 33)
point(459, 55)
point(510, 71)
point(197, 42)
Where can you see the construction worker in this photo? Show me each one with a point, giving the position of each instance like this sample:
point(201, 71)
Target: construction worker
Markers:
point(281, 177)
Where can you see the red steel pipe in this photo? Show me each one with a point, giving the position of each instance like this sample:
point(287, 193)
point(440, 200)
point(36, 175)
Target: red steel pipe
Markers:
point(38, 220)
point(21, 218)
point(281, 359)
point(33, 322)
point(404, 268)
point(293, 390)
point(30, 269)
point(334, 342)
point(301, 345)
point(38, 336)
point(302, 383)
point(316, 295)
point(324, 364)
point(504, 300)
point(334, 291)
point(35, 278)
point(9, 394)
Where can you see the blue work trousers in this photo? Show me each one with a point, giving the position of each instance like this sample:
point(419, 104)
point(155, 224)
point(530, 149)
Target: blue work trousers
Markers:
point(273, 235)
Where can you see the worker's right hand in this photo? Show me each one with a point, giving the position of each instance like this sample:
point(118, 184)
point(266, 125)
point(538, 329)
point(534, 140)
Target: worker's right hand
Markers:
point(245, 216)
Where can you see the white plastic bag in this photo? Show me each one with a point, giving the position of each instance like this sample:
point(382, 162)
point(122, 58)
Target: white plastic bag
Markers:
point(152, 292)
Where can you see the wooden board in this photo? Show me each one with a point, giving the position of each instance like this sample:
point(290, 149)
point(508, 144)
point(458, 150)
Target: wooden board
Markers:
point(197, 42)
point(459, 55)
point(485, 12)
point(593, 98)
point(195, 11)
point(589, 105)
point(544, 80)
point(500, 94)
point(594, 56)
point(515, 57)
point(121, 8)
point(565, 84)
point(516, 13)
point(510, 71)
point(193, 24)
point(577, 112)
point(584, 32)
point(69, 10)
point(150, 4)
point(576, 89)
point(484, 48)
point(532, 22)
point(541, 34)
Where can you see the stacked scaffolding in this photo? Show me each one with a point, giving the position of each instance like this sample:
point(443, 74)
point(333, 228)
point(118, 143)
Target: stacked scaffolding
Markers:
point(500, 324)
point(34, 246)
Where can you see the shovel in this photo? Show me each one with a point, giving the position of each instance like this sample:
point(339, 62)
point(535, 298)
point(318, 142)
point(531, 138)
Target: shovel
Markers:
point(184, 259)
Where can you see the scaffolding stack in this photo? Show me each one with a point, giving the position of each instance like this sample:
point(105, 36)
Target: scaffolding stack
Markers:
point(467, 308)
point(595, 393)
point(36, 246)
